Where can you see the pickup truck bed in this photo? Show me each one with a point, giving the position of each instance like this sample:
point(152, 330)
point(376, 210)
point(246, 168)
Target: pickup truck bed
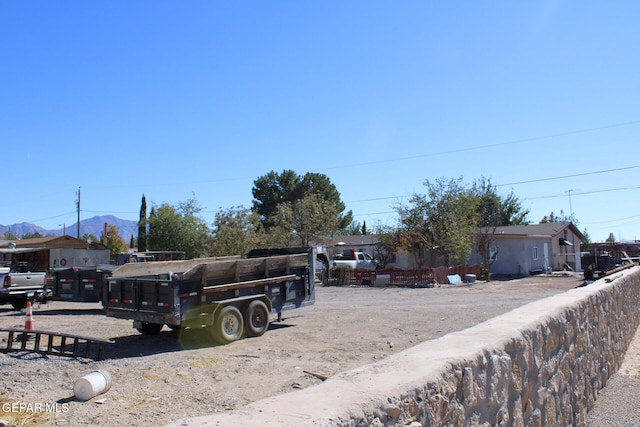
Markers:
point(18, 288)
point(355, 260)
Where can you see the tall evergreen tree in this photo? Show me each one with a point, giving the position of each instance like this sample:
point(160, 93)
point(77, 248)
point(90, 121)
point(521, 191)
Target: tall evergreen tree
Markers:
point(142, 226)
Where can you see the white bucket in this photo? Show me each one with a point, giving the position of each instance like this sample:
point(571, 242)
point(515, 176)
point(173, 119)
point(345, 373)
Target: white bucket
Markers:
point(91, 385)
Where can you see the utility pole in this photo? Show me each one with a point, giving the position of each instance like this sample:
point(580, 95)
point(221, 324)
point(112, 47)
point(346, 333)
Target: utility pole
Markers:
point(78, 206)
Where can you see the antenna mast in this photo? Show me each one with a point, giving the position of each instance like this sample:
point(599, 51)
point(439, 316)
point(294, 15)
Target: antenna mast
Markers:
point(570, 207)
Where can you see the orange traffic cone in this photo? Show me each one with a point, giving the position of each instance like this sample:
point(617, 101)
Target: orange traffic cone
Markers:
point(28, 324)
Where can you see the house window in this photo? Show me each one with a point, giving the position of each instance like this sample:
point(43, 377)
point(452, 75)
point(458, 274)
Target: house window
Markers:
point(535, 253)
point(493, 253)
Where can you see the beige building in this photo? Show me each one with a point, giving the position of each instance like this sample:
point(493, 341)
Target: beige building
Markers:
point(44, 253)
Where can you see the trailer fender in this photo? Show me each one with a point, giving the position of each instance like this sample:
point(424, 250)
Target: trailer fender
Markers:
point(241, 302)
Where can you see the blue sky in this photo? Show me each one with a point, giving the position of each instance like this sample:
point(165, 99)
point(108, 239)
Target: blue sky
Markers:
point(176, 100)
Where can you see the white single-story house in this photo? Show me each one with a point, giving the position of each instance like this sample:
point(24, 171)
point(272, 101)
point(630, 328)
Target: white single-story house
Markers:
point(525, 249)
point(517, 250)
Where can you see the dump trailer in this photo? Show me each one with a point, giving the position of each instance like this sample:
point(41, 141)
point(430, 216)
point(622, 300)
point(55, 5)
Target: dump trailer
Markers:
point(599, 265)
point(231, 297)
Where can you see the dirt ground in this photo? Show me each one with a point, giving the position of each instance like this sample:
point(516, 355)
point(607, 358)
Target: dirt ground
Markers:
point(163, 378)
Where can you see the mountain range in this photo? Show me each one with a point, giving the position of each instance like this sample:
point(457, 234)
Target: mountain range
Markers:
point(95, 226)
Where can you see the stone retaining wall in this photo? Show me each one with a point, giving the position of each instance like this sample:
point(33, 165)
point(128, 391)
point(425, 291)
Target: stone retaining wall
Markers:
point(539, 365)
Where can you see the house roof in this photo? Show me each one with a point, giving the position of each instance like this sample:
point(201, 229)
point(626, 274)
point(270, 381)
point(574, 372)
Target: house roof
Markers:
point(46, 242)
point(549, 229)
point(355, 240)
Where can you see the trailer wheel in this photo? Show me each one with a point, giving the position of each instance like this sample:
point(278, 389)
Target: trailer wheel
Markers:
point(149, 328)
point(19, 304)
point(228, 325)
point(256, 318)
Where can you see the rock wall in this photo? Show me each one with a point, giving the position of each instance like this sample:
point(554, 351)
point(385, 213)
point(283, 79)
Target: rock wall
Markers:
point(539, 365)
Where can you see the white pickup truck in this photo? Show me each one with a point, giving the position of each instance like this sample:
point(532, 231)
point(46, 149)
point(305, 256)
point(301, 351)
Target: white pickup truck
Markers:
point(355, 260)
point(16, 288)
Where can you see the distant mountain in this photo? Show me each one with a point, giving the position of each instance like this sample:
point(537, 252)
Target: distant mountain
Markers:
point(95, 226)
point(22, 229)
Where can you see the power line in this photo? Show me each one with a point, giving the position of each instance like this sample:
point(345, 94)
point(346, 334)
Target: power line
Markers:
point(619, 219)
point(531, 181)
point(567, 176)
point(518, 141)
point(377, 198)
point(582, 193)
point(109, 212)
point(415, 156)
point(51, 217)
point(478, 147)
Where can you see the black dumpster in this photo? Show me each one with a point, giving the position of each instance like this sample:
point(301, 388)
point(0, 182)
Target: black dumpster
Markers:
point(82, 284)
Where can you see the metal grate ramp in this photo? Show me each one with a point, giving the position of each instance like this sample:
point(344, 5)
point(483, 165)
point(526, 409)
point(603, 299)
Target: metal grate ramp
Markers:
point(53, 343)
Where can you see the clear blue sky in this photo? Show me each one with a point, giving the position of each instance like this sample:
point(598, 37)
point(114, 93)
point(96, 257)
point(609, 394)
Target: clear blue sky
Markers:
point(176, 100)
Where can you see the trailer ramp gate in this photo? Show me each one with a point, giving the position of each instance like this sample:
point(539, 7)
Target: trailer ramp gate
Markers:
point(53, 343)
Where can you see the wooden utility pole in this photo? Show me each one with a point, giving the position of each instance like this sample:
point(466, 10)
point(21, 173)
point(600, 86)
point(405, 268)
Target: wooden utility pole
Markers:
point(78, 205)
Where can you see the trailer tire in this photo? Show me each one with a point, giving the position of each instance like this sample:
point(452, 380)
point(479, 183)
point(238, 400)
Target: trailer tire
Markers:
point(256, 318)
point(150, 328)
point(228, 325)
point(19, 304)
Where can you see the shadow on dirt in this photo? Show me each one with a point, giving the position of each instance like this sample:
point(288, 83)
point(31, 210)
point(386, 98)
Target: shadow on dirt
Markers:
point(67, 312)
point(166, 341)
point(50, 309)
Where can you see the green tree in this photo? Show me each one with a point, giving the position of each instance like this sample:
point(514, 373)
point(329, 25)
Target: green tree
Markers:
point(9, 235)
point(586, 244)
point(178, 228)
point(494, 211)
point(236, 231)
point(111, 239)
point(308, 218)
point(320, 185)
point(444, 220)
point(273, 190)
point(414, 231)
point(142, 226)
point(386, 244)
point(353, 229)
point(90, 238)
point(553, 218)
point(30, 235)
point(452, 216)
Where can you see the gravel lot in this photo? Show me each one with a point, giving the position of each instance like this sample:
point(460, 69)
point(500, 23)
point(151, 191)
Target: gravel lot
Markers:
point(159, 379)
